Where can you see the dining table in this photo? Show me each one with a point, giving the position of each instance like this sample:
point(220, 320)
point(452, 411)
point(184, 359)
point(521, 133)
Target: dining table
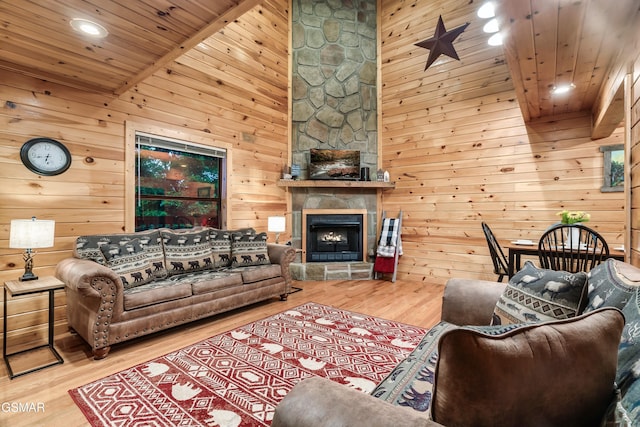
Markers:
point(519, 248)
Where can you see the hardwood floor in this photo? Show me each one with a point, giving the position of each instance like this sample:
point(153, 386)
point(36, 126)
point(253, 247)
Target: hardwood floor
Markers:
point(415, 303)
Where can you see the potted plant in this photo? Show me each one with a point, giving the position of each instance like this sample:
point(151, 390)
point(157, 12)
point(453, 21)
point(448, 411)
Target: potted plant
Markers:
point(571, 218)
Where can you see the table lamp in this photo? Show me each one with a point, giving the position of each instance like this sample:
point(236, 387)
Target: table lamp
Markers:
point(30, 234)
point(276, 224)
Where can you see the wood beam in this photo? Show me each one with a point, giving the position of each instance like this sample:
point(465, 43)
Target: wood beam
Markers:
point(519, 51)
point(608, 112)
point(232, 14)
point(608, 109)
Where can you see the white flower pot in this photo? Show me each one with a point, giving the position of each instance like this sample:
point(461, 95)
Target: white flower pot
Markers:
point(573, 237)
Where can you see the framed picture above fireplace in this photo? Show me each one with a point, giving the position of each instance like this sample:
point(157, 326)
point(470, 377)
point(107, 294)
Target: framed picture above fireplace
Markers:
point(334, 164)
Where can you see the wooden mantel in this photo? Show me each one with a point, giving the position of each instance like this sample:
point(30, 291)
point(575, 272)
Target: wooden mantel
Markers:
point(310, 183)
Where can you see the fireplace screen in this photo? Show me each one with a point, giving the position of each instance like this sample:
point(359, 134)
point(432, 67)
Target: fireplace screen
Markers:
point(334, 237)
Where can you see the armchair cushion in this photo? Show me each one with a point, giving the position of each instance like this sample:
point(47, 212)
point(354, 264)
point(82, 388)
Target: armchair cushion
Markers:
point(537, 295)
point(319, 402)
point(558, 373)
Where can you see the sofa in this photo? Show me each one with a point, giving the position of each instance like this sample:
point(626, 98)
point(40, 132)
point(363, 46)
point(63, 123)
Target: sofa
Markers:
point(546, 349)
point(124, 286)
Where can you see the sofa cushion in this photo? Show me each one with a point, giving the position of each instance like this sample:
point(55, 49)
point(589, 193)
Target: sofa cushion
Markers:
point(536, 295)
point(410, 383)
point(129, 260)
point(249, 250)
point(214, 281)
point(257, 273)
point(187, 251)
point(612, 284)
point(88, 247)
point(559, 373)
point(154, 293)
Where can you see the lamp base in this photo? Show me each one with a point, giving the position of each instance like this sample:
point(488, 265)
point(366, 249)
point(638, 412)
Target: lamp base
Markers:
point(28, 276)
point(28, 266)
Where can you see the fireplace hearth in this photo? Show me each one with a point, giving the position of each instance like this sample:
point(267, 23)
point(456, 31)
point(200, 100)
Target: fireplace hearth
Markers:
point(334, 237)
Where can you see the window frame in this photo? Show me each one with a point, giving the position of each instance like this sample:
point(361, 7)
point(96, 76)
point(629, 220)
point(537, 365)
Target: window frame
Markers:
point(606, 151)
point(173, 133)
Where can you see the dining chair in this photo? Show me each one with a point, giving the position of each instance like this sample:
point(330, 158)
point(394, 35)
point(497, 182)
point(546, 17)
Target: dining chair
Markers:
point(500, 263)
point(572, 248)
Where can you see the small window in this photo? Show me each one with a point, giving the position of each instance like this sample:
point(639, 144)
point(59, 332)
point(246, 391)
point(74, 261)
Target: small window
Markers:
point(178, 184)
point(613, 175)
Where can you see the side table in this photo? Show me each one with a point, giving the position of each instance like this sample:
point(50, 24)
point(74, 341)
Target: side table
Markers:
point(17, 288)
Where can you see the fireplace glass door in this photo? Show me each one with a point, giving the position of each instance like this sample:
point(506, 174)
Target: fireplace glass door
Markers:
point(334, 238)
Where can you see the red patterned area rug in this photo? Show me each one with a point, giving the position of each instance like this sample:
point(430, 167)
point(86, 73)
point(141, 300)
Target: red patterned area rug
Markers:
point(237, 378)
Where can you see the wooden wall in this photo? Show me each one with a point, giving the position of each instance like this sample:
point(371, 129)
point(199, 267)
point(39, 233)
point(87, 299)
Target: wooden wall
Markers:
point(231, 89)
point(632, 108)
point(454, 140)
point(452, 137)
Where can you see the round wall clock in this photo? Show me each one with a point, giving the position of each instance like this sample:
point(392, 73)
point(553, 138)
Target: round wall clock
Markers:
point(45, 156)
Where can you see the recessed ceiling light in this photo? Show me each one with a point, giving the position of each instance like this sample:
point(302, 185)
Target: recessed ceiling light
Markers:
point(491, 26)
point(487, 11)
point(89, 28)
point(495, 40)
point(557, 90)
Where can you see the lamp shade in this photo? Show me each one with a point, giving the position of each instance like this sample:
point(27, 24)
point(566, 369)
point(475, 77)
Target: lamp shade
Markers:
point(276, 224)
point(31, 233)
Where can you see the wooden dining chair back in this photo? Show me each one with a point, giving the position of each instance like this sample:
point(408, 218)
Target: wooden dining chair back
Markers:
point(500, 263)
point(571, 248)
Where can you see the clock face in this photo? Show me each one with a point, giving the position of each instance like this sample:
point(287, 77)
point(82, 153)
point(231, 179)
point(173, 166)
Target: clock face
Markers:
point(45, 156)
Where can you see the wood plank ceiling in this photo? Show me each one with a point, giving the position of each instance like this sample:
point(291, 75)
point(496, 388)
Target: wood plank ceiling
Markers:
point(555, 42)
point(36, 38)
point(546, 42)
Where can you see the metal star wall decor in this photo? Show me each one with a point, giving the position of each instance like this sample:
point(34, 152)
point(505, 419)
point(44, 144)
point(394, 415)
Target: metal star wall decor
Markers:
point(442, 42)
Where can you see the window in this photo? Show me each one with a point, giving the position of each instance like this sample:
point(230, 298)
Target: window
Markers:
point(613, 176)
point(178, 184)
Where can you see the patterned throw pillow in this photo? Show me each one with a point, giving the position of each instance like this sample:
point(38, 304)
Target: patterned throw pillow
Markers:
point(538, 295)
point(88, 247)
point(612, 284)
point(220, 241)
point(557, 373)
point(628, 374)
point(129, 260)
point(221, 244)
point(187, 251)
point(249, 250)
point(410, 383)
point(615, 283)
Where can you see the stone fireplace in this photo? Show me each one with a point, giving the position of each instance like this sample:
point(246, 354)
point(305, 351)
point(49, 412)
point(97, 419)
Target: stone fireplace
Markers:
point(334, 106)
point(339, 259)
point(330, 235)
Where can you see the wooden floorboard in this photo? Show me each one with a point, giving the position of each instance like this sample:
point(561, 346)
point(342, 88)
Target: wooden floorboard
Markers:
point(415, 303)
